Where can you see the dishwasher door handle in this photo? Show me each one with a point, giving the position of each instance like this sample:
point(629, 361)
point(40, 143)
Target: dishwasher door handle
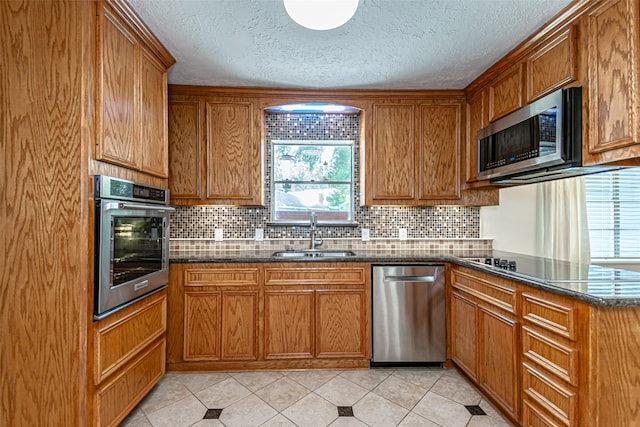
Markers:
point(396, 279)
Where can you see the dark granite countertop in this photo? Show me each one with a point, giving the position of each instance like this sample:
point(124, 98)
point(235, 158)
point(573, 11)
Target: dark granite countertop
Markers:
point(593, 284)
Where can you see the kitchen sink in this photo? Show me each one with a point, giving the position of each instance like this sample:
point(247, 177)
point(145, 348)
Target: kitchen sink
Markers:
point(314, 254)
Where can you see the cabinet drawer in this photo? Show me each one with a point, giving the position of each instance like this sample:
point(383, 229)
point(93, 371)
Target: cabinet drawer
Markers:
point(497, 295)
point(116, 398)
point(553, 397)
point(557, 318)
point(534, 417)
point(314, 276)
point(221, 277)
point(551, 355)
point(121, 336)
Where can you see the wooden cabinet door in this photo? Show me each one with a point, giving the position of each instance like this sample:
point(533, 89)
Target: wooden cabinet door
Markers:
point(390, 173)
point(552, 65)
point(233, 154)
point(477, 118)
point(185, 150)
point(202, 319)
point(438, 148)
point(506, 93)
point(341, 323)
point(153, 111)
point(464, 340)
point(118, 107)
point(239, 329)
point(613, 79)
point(288, 324)
point(498, 350)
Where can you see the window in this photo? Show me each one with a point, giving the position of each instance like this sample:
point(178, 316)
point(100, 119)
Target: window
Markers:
point(312, 176)
point(613, 211)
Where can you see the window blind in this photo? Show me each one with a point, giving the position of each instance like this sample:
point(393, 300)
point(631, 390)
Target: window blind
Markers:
point(613, 212)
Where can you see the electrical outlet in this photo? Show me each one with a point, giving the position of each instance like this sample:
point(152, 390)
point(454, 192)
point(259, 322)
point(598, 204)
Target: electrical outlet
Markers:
point(365, 234)
point(218, 235)
point(402, 233)
point(259, 234)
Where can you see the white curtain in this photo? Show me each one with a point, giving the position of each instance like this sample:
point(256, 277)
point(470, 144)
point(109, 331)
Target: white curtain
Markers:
point(562, 230)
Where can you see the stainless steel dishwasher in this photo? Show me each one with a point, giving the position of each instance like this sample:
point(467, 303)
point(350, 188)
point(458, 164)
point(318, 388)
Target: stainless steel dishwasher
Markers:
point(408, 317)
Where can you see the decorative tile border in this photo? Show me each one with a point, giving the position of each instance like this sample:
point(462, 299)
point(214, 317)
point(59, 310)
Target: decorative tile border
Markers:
point(194, 245)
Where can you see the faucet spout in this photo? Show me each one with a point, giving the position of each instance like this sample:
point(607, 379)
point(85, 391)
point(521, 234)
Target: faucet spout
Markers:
point(313, 231)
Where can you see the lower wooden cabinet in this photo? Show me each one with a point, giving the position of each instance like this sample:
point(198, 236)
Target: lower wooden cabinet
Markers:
point(464, 340)
point(129, 357)
point(269, 316)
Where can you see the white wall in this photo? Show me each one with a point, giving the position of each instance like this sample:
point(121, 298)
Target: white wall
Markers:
point(512, 224)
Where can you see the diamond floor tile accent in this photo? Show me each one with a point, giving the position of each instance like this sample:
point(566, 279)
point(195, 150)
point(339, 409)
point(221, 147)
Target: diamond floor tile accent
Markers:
point(345, 411)
point(385, 397)
point(475, 410)
point(212, 414)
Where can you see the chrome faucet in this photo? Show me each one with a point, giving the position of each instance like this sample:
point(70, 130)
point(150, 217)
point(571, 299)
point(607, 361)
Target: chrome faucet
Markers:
point(315, 240)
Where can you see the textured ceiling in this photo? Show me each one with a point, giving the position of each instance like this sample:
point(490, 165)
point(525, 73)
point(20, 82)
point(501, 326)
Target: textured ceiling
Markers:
point(388, 44)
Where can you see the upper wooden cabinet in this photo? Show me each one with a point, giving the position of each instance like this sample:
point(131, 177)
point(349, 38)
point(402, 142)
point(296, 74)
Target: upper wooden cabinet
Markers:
point(552, 65)
point(613, 67)
point(506, 92)
point(215, 151)
point(414, 154)
point(477, 118)
point(131, 112)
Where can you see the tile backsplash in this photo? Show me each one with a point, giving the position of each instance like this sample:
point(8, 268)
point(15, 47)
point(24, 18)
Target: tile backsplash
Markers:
point(442, 222)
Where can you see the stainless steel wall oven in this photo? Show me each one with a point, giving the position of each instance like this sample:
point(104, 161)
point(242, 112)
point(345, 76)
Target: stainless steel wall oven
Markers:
point(131, 246)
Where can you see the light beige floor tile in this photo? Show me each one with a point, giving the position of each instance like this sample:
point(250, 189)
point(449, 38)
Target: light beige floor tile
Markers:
point(199, 381)
point(208, 423)
point(400, 391)
point(454, 387)
point(167, 391)
point(442, 411)
point(415, 420)
point(248, 412)
point(486, 421)
point(223, 394)
point(136, 420)
point(311, 379)
point(254, 381)
point(181, 413)
point(377, 411)
point(422, 377)
point(282, 393)
point(367, 378)
point(341, 392)
point(347, 422)
point(311, 411)
point(279, 421)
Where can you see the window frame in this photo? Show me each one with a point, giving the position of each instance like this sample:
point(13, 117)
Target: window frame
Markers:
point(312, 142)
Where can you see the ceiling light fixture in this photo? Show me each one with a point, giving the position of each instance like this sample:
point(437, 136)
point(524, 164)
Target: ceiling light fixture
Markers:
point(321, 14)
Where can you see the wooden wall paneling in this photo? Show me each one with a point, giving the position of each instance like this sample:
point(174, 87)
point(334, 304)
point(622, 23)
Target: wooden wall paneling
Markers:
point(506, 92)
point(438, 145)
point(239, 325)
point(45, 98)
point(154, 121)
point(185, 150)
point(340, 323)
point(392, 159)
point(118, 86)
point(202, 320)
point(289, 324)
point(614, 103)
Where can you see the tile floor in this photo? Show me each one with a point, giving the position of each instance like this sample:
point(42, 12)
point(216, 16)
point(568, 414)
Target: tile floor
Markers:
point(407, 397)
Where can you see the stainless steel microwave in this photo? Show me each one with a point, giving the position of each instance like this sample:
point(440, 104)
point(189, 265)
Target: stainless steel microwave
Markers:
point(131, 252)
point(536, 142)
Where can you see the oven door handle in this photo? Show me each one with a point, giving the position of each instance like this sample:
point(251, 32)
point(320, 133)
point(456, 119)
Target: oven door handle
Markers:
point(139, 206)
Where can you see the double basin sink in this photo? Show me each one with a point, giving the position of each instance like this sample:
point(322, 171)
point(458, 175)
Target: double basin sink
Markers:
point(309, 253)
